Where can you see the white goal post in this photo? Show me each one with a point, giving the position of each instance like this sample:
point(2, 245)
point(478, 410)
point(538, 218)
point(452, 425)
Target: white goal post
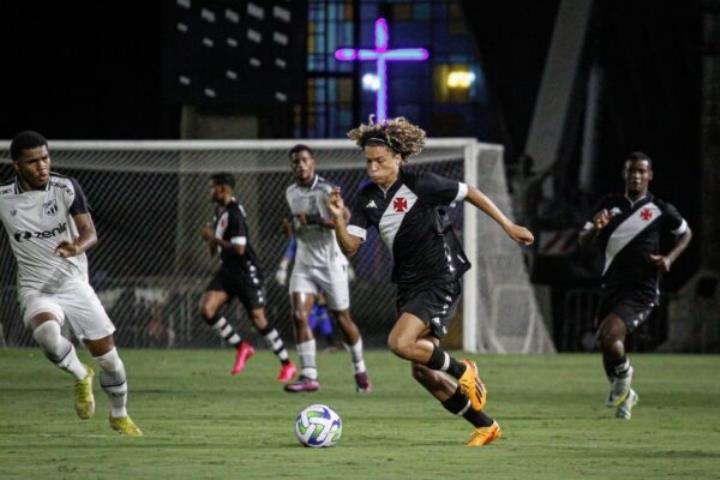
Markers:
point(150, 198)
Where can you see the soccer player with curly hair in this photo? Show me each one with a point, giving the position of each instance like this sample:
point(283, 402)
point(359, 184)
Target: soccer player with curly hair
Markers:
point(409, 208)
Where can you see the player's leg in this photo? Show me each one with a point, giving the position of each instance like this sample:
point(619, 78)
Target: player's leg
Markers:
point(92, 325)
point(274, 342)
point(611, 335)
point(456, 402)
point(426, 312)
point(113, 380)
point(333, 281)
point(301, 304)
point(211, 302)
point(59, 350)
point(302, 297)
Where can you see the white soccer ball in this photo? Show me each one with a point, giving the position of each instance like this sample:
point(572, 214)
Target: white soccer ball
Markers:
point(318, 426)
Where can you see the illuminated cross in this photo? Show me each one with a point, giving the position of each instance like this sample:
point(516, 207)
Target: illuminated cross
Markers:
point(381, 55)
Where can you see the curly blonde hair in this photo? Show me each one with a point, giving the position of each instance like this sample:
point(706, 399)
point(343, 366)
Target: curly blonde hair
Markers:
point(397, 133)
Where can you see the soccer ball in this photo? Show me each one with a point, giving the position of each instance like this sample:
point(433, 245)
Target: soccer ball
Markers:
point(318, 426)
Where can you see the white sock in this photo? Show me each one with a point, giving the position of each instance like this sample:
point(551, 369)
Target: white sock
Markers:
point(58, 349)
point(356, 351)
point(306, 352)
point(114, 382)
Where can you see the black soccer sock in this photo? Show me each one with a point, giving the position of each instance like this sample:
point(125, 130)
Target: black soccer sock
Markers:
point(616, 367)
point(225, 330)
point(621, 367)
point(459, 404)
point(275, 343)
point(441, 360)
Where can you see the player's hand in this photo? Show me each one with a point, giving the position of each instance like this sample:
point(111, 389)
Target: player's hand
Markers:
point(301, 219)
point(520, 234)
point(207, 233)
point(66, 249)
point(601, 219)
point(663, 263)
point(335, 204)
point(281, 276)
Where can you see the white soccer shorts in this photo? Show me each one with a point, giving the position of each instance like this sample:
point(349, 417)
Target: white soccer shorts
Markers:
point(331, 280)
point(78, 304)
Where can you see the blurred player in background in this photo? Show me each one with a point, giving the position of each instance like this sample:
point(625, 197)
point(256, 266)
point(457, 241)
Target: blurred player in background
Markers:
point(320, 266)
point(409, 209)
point(319, 318)
point(628, 228)
point(239, 276)
point(48, 222)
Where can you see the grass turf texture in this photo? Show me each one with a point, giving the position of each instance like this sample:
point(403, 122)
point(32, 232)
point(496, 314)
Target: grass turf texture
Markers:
point(200, 422)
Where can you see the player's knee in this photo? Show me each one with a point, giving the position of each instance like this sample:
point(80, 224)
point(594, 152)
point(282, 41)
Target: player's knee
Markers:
point(299, 317)
point(48, 335)
point(400, 346)
point(207, 312)
point(111, 361)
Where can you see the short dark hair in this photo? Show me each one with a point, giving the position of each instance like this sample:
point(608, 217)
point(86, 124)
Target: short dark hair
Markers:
point(25, 141)
point(633, 156)
point(300, 148)
point(223, 179)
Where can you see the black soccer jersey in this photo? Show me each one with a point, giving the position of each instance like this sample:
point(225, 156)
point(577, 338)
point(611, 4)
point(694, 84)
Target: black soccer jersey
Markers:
point(231, 226)
point(411, 217)
point(631, 236)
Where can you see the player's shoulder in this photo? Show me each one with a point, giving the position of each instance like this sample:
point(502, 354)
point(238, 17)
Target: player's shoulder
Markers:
point(292, 188)
point(368, 188)
point(7, 186)
point(663, 205)
point(58, 180)
point(324, 184)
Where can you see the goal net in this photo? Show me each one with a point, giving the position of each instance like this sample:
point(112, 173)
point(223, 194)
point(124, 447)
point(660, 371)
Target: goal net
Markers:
point(150, 266)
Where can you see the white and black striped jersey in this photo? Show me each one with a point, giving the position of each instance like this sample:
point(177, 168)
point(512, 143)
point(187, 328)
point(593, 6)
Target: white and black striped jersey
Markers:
point(631, 236)
point(36, 221)
point(231, 225)
point(316, 244)
point(411, 217)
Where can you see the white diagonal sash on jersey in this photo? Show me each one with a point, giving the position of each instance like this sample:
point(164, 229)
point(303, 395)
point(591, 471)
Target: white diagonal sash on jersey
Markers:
point(392, 217)
point(630, 228)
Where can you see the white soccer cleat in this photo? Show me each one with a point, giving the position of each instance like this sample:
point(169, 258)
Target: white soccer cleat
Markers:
point(619, 390)
point(624, 411)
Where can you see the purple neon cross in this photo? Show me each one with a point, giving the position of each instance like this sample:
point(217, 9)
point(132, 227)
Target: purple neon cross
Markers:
point(381, 55)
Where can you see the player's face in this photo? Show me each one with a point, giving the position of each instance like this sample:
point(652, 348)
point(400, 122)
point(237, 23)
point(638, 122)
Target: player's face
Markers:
point(217, 193)
point(303, 165)
point(383, 165)
point(637, 176)
point(33, 167)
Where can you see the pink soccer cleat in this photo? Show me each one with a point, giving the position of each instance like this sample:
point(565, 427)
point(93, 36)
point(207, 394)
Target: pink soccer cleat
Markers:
point(303, 384)
point(287, 371)
point(243, 354)
point(363, 383)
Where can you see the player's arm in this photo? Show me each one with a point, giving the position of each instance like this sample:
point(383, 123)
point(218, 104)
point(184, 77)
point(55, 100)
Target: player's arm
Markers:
point(683, 235)
point(592, 229)
point(87, 237)
point(517, 232)
point(80, 211)
point(349, 243)
point(237, 242)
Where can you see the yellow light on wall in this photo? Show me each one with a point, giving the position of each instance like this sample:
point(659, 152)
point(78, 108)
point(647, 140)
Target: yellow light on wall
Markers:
point(460, 79)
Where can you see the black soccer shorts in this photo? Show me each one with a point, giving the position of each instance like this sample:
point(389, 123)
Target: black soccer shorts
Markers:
point(633, 306)
point(248, 290)
point(434, 303)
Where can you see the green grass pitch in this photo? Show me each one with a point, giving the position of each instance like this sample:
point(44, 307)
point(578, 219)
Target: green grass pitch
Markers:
point(200, 422)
